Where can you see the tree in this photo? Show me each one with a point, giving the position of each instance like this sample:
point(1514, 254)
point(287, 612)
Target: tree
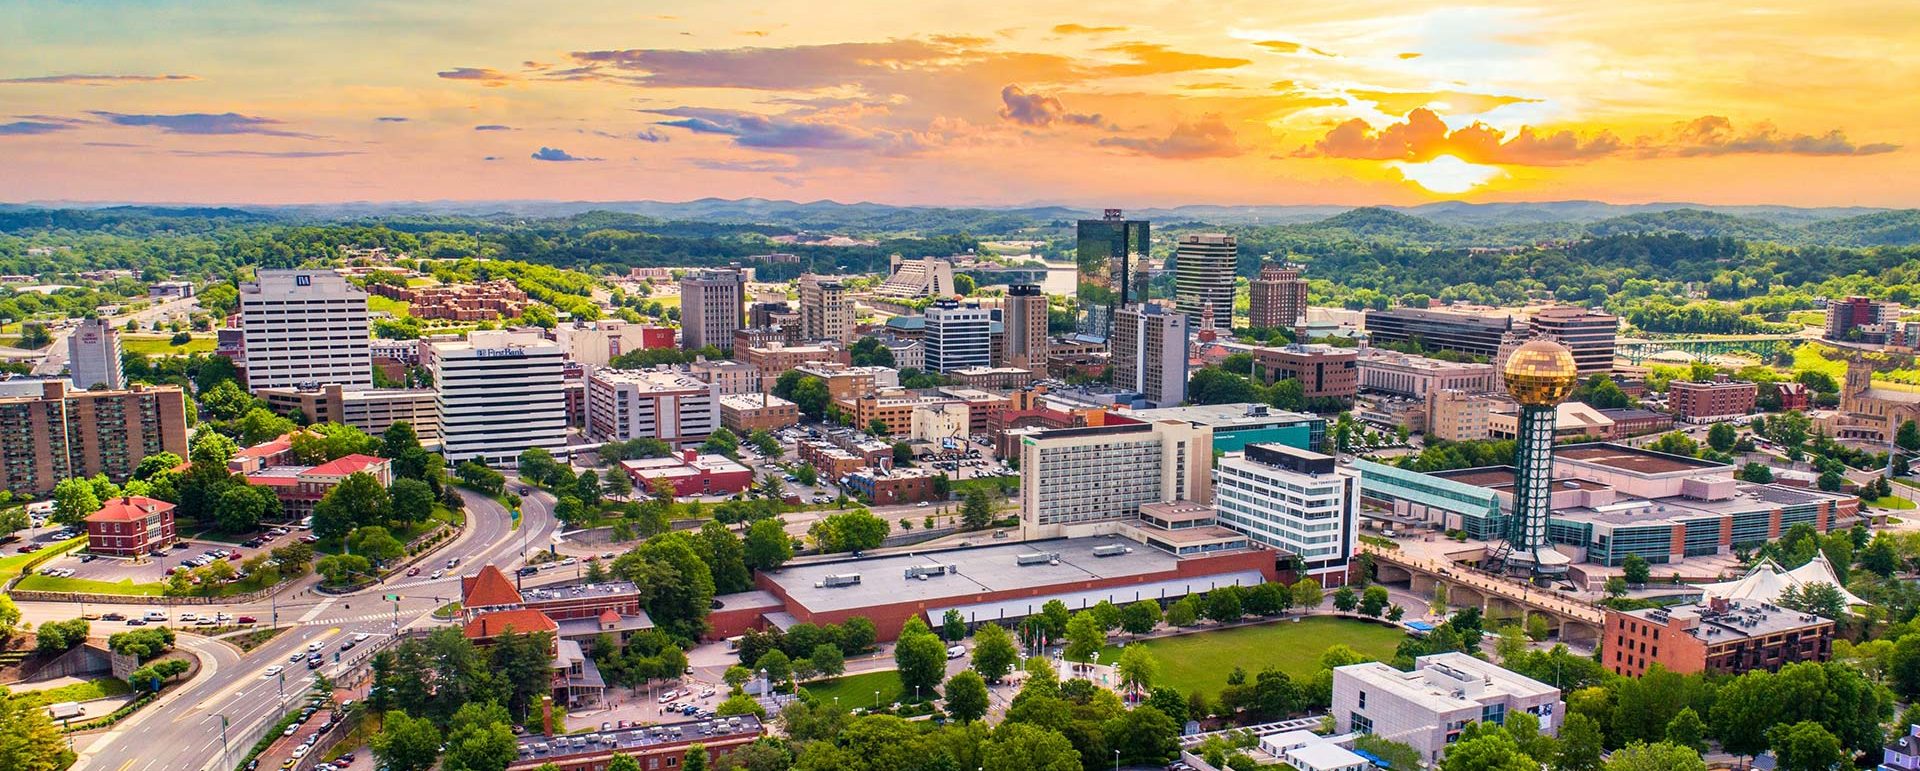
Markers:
point(776, 665)
point(480, 744)
point(1308, 594)
point(29, 741)
point(1374, 601)
point(1688, 730)
point(341, 569)
point(1144, 736)
point(1185, 612)
point(966, 696)
point(725, 558)
point(410, 500)
point(1581, 743)
point(767, 545)
point(1635, 570)
point(1640, 756)
point(1907, 437)
point(696, 758)
point(1721, 437)
point(722, 441)
point(376, 544)
point(1022, 747)
point(55, 637)
point(806, 475)
point(357, 500)
point(1757, 473)
point(406, 743)
point(953, 628)
point(977, 512)
point(1487, 747)
point(73, 500)
point(922, 662)
point(619, 762)
point(1142, 616)
point(1224, 606)
point(241, 508)
point(855, 530)
point(1137, 668)
point(828, 660)
point(1344, 599)
point(1084, 636)
point(994, 653)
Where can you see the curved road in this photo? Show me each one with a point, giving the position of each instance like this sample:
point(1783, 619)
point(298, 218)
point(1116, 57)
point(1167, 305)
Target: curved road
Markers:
point(181, 731)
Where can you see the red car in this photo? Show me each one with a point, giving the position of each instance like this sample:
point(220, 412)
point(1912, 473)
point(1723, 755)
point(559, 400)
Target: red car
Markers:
point(413, 572)
point(29, 548)
point(246, 620)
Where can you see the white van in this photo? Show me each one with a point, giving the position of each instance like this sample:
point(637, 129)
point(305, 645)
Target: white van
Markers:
point(956, 651)
point(155, 615)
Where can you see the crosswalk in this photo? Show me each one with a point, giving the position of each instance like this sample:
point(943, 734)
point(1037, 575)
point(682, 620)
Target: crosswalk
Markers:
point(349, 620)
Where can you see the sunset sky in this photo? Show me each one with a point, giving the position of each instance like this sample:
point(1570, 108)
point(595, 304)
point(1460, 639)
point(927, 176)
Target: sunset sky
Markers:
point(949, 103)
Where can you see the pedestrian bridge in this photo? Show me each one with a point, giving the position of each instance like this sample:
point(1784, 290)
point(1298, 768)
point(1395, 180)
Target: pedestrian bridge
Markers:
point(1568, 618)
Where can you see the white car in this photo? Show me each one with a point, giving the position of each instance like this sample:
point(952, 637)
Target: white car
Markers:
point(301, 751)
point(361, 637)
point(273, 670)
point(314, 647)
point(437, 574)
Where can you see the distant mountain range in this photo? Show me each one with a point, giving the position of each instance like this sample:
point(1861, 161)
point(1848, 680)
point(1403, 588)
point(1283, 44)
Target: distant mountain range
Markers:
point(1442, 223)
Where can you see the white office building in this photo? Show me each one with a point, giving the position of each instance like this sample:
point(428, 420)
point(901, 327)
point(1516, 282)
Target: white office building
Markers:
point(670, 405)
point(305, 327)
point(1071, 478)
point(93, 356)
point(500, 392)
point(1429, 707)
point(1203, 273)
point(1292, 500)
point(958, 336)
point(1149, 344)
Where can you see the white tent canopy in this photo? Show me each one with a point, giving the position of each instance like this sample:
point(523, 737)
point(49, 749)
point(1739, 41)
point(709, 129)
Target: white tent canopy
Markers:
point(1767, 581)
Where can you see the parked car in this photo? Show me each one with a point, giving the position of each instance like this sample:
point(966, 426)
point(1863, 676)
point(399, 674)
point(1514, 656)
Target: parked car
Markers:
point(413, 571)
point(135, 622)
point(247, 620)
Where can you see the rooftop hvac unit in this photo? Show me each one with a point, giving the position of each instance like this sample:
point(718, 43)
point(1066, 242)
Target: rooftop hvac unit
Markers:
point(924, 572)
point(1110, 550)
point(838, 579)
point(1036, 558)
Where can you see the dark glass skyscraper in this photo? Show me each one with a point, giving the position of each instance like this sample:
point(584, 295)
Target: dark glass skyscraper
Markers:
point(1111, 260)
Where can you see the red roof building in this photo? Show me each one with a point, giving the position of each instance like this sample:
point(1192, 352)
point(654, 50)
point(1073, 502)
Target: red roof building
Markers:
point(129, 526)
point(487, 626)
point(486, 590)
point(300, 487)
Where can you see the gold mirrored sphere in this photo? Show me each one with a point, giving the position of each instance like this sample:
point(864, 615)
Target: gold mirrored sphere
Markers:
point(1541, 373)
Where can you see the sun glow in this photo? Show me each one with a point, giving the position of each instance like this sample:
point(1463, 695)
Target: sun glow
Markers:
point(1447, 174)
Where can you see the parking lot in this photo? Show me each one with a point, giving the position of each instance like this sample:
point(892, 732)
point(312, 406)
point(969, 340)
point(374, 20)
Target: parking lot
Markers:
point(79, 564)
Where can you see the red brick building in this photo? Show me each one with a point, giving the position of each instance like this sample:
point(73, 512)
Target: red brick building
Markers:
point(130, 526)
point(1720, 636)
point(1717, 400)
point(691, 473)
point(1323, 370)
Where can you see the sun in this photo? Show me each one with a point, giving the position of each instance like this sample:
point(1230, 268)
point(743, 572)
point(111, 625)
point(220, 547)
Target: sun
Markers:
point(1447, 174)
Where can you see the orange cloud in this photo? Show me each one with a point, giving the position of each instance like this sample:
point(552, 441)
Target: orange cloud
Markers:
point(1208, 137)
point(1082, 29)
point(1423, 137)
point(488, 77)
point(1403, 102)
point(1157, 59)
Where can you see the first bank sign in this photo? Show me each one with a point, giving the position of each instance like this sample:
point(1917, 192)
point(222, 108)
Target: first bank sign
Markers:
point(499, 353)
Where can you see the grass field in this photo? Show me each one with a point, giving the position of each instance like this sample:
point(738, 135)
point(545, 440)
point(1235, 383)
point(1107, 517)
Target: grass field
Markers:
point(162, 345)
point(857, 690)
point(379, 304)
point(40, 583)
point(1202, 661)
point(87, 691)
point(1891, 502)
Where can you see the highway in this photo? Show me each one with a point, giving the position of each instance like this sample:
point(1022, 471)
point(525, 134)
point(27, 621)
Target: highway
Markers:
point(181, 730)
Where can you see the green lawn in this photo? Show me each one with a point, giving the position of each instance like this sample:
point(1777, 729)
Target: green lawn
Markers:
point(87, 691)
point(857, 690)
point(1202, 661)
point(1891, 502)
point(40, 583)
point(162, 345)
point(379, 304)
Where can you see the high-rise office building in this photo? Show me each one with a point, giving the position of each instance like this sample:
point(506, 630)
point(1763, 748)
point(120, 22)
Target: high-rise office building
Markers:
point(1589, 335)
point(958, 336)
point(49, 433)
point(1111, 259)
point(826, 310)
point(500, 393)
point(1438, 330)
point(1204, 265)
point(711, 304)
point(1277, 298)
point(305, 327)
point(1297, 501)
point(1149, 345)
point(93, 356)
point(1025, 318)
point(1071, 477)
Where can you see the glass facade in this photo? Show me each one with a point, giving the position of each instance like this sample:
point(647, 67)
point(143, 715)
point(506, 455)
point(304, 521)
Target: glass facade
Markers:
point(1110, 275)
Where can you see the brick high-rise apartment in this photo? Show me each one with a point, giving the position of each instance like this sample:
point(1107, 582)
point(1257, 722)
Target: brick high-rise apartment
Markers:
point(1025, 319)
point(60, 433)
point(711, 304)
point(1718, 399)
point(1277, 298)
point(826, 310)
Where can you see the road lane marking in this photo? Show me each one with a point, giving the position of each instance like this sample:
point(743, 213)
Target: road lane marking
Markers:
point(315, 611)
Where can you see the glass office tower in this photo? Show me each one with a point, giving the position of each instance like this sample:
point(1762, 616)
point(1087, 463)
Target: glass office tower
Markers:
point(1111, 259)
